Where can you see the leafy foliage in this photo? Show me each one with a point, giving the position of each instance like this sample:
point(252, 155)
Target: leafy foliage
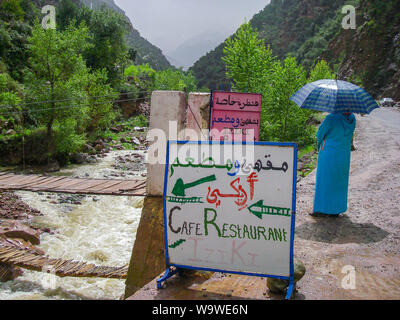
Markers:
point(174, 80)
point(15, 19)
point(321, 71)
point(79, 101)
point(107, 29)
point(58, 87)
point(146, 78)
point(248, 62)
point(9, 117)
point(252, 68)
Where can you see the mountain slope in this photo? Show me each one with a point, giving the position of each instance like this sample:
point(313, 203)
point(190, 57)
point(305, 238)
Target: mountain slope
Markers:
point(192, 49)
point(146, 52)
point(370, 55)
point(302, 28)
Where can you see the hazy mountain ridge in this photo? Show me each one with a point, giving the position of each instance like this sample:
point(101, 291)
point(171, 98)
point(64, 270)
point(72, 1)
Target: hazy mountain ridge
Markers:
point(187, 53)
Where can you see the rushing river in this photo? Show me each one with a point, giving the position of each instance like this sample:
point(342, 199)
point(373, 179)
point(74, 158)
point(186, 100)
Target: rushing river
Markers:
point(94, 229)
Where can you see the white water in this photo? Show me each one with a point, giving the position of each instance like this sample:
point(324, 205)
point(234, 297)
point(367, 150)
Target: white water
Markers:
point(100, 230)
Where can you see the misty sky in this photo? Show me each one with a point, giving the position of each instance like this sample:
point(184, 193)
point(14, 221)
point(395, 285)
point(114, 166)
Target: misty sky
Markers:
point(168, 23)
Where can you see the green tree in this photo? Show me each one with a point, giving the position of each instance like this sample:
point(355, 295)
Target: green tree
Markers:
point(10, 102)
point(142, 76)
point(74, 102)
point(252, 68)
point(109, 50)
point(174, 80)
point(249, 64)
point(12, 9)
point(56, 70)
point(321, 71)
point(100, 100)
point(15, 19)
point(282, 119)
point(107, 30)
point(57, 75)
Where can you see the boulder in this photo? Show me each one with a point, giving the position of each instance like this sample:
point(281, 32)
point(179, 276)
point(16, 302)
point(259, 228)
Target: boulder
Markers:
point(118, 147)
point(392, 67)
point(52, 167)
point(280, 285)
point(88, 148)
point(135, 140)
point(91, 159)
point(116, 129)
point(15, 229)
point(10, 132)
point(79, 158)
point(99, 147)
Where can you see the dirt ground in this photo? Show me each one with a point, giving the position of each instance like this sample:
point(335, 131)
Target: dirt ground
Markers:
point(354, 256)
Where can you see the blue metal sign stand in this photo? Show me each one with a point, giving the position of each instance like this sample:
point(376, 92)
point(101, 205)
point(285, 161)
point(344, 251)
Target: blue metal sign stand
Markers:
point(173, 269)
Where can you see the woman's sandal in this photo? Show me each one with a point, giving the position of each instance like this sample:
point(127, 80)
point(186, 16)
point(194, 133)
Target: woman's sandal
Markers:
point(317, 214)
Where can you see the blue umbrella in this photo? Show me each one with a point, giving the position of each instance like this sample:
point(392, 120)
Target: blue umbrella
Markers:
point(334, 96)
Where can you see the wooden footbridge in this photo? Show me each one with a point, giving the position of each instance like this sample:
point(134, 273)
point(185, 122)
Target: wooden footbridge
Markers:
point(45, 183)
point(20, 253)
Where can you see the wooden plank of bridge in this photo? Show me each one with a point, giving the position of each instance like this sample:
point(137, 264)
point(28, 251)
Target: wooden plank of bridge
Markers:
point(7, 177)
point(47, 182)
point(105, 185)
point(33, 181)
point(82, 185)
point(17, 181)
point(51, 184)
point(119, 188)
point(11, 181)
point(138, 188)
point(68, 185)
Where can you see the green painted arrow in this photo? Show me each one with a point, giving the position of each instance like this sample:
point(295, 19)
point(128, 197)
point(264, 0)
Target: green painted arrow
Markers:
point(180, 187)
point(258, 209)
point(176, 244)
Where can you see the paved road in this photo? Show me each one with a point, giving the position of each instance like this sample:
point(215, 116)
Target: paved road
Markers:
point(390, 118)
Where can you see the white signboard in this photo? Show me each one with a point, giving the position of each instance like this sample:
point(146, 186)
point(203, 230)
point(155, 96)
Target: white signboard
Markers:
point(230, 207)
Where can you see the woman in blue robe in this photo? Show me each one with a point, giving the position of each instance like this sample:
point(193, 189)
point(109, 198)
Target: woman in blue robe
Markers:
point(334, 143)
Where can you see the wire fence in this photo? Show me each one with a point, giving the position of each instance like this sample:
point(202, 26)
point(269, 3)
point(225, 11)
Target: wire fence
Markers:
point(11, 106)
point(10, 112)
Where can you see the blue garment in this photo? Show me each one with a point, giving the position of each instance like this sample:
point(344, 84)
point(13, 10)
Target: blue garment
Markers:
point(333, 167)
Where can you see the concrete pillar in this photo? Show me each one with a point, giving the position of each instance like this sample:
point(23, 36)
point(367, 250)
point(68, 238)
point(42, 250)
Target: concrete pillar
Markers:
point(197, 115)
point(167, 113)
point(148, 258)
